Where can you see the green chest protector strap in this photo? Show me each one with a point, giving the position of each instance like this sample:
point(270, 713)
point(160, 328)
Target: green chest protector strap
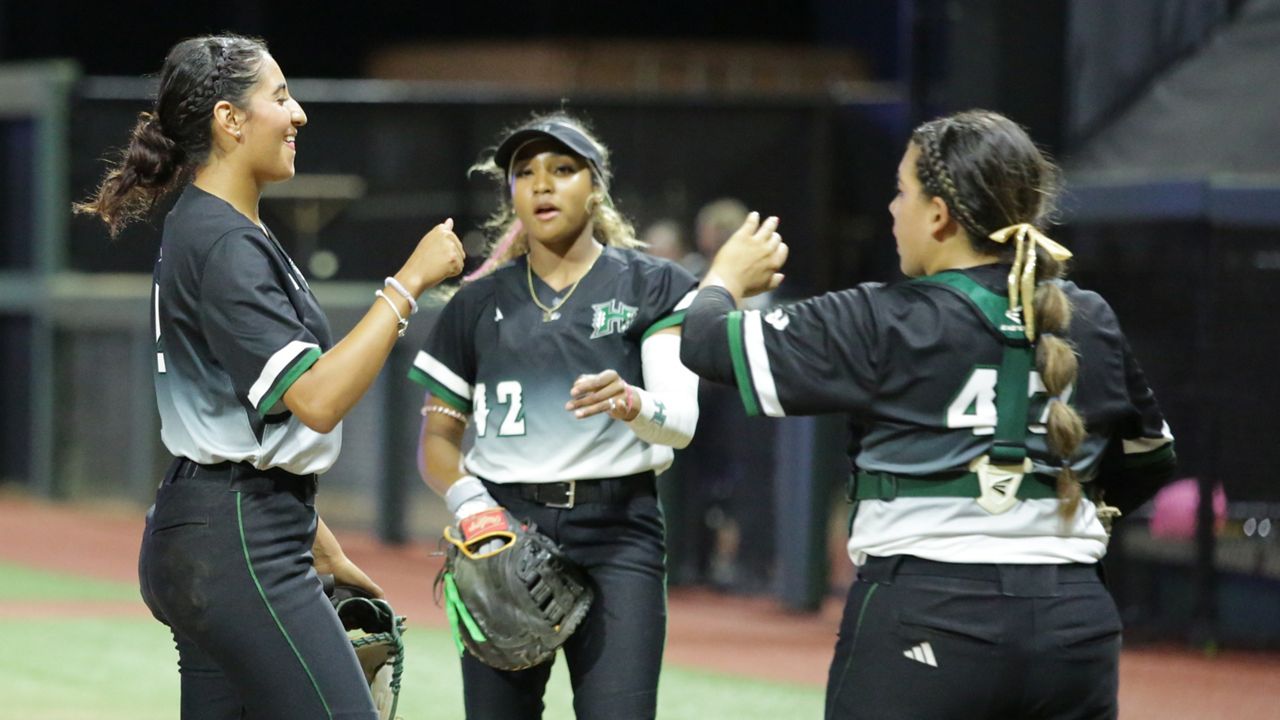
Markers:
point(996, 479)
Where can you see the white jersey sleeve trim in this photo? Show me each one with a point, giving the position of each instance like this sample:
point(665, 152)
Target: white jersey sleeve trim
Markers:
point(758, 363)
point(685, 301)
point(1143, 445)
point(441, 373)
point(278, 363)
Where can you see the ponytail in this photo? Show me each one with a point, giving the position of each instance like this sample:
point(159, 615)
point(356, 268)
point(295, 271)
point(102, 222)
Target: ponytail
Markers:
point(147, 170)
point(176, 136)
point(1058, 367)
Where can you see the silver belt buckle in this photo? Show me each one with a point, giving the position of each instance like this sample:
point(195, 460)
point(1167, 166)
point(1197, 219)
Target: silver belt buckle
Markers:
point(568, 504)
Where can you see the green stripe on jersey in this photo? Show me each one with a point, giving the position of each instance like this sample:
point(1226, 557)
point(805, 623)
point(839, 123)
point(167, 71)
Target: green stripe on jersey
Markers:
point(672, 320)
point(741, 372)
point(439, 391)
point(301, 365)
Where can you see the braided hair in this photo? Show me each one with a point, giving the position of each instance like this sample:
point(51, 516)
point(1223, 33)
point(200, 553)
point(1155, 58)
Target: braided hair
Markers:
point(991, 175)
point(174, 138)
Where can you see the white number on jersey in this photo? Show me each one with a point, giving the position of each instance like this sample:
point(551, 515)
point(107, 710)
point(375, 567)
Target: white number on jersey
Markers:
point(160, 368)
point(975, 405)
point(511, 394)
point(480, 409)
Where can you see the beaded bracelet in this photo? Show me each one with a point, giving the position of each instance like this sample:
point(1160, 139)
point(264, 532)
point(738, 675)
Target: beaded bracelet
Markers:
point(446, 411)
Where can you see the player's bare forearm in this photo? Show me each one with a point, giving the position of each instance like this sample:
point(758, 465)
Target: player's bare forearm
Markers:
point(705, 335)
point(329, 559)
point(329, 389)
point(440, 451)
point(326, 548)
point(326, 392)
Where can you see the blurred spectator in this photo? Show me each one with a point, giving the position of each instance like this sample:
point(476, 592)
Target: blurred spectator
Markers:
point(720, 522)
point(665, 239)
point(716, 221)
point(715, 224)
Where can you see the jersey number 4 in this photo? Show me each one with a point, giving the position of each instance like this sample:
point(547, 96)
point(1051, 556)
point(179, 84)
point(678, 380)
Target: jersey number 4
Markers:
point(509, 393)
point(975, 405)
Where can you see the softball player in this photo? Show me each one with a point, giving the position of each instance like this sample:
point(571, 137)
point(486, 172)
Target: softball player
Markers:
point(986, 391)
point(564, 353)
point(251, 392)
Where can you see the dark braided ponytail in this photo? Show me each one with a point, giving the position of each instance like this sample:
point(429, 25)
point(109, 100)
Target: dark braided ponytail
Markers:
point(991, 175)
point(175, 137)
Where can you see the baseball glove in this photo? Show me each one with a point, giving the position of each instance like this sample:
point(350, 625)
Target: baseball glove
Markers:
point(375, 632)
point(511, 596)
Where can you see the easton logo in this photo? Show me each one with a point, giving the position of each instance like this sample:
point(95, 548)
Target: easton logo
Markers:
point(611, 317)
point(1015, 316)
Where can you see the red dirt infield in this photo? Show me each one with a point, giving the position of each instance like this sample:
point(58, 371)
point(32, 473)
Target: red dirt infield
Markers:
point(750, 637)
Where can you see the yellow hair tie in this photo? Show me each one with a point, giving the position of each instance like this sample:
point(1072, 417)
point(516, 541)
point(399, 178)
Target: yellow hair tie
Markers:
point(1022, 277)
point(1024, 230)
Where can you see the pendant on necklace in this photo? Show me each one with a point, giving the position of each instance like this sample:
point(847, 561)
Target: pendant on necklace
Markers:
point(549, 316)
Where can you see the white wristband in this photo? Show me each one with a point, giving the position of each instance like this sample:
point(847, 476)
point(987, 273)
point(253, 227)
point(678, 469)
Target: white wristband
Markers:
point(468, 496)
point(395, 284)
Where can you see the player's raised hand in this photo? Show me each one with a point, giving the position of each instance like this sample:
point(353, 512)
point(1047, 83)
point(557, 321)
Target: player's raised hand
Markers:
point(439, 255)
point(751, 260)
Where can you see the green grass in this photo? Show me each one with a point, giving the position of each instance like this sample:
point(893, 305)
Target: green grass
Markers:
point(20, 583)
point(117, 669)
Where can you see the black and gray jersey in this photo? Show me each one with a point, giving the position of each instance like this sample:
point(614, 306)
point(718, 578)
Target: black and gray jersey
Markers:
point(493, 354)
point(915, 365)
point(235, 324)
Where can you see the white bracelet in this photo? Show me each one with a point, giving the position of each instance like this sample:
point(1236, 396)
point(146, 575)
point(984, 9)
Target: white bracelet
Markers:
point(394, 284)
point(401, 323)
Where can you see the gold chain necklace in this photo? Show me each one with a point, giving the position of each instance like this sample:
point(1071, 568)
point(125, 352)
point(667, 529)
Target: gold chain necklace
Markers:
point(550, 313)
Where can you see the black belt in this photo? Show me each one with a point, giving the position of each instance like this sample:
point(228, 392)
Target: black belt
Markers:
point(250, 478)
point(566, 495)
point(885, 569)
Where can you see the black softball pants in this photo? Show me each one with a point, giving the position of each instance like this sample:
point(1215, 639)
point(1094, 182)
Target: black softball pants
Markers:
point(934, 641)
point(226, 563)
point(615, 656)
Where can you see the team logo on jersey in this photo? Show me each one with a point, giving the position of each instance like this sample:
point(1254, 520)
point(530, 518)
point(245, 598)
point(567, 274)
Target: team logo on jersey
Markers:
point(778, 318)
point(611, 317)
